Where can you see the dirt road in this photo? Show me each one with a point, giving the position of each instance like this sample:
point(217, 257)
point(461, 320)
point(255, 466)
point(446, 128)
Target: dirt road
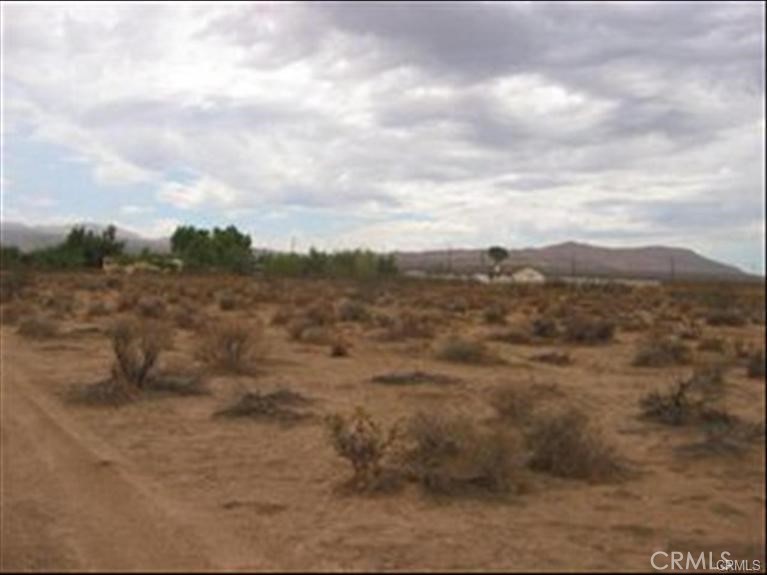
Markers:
point(69, 503)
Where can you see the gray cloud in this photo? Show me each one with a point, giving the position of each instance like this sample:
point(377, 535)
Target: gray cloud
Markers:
point(636, 119)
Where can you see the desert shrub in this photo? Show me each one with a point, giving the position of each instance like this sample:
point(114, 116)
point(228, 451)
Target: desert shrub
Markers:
point(315, 335)
point(406, 325)
point(452, 456)
point(413, 378)
point(661, 351)
point(339, 348)
point(364, 443)
point(59, 304)
point(313, 325)
point(564, 444)
point(188, 317)
point(97, 309)
point(12, 313)
point(675, 406)
point(137, 347)
point(588, 330)
point(708, 379)
point(495, 314)
point(517, 404)
point(554, 358)
point(715, 344)
point(126, 301)
point(514, 335)
point(459, 350)
point(232, 346)
point(227, 300)
point(732, 317)
point(756, 365)
point(725, 434)
point(37, 327)
point(13, 283)
point(514, 404)
point(351, 310)
point(112, 282)
point(150, 307)
point(281, 405)
point(544, 327)
point(282, 316)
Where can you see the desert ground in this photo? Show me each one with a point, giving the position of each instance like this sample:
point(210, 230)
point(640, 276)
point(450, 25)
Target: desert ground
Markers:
point(105, 468)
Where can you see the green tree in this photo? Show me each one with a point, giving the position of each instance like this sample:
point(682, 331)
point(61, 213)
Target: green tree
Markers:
point(226, 248)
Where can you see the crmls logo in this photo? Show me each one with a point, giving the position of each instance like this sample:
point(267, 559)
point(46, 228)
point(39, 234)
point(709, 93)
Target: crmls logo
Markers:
point(662, 560)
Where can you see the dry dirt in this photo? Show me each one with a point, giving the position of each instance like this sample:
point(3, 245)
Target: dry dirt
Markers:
point(159, 484)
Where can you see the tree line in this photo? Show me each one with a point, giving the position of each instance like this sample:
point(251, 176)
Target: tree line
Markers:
point(217, 250)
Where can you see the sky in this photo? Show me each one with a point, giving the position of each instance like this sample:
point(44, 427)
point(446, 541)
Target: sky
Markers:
point(393, 125)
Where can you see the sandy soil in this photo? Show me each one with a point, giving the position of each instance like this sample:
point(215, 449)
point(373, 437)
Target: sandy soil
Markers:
point(161, 485)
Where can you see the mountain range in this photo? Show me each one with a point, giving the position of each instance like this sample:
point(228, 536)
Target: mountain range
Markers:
point(569, 258)
point(580, 259)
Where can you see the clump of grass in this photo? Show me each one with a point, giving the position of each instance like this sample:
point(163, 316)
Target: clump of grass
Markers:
point(495, 314)
point(365, 444)
point(709, 379)
point(460, 350)
point(756, 364)
point(514, 335)
point(725, 435)
point(282, 405)
point(564, 444)
point(454, 456)
point(544, 327)
point(731, 317)
point(588, 330)
point(227, 300)
point(413, 378)
point(406, 325)
point(61, 305)
point(314, 325)
point(661, 351)
point(187, 317)
point(714, 344)
point(352, 310)
point(150, 307)
point(13, 283)
point(37, 327)
point(11, 313)
point(339, 348)
point(97, 309)
point(554, 358)
point(232, 346)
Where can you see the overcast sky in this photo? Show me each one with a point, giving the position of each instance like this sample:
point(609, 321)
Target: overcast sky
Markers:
point(393, 125)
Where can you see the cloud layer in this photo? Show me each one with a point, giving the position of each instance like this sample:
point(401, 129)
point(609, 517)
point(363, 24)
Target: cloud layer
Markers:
point(394, 125)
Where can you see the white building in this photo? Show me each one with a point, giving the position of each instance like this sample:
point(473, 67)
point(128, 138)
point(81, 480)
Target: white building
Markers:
point(528, 275)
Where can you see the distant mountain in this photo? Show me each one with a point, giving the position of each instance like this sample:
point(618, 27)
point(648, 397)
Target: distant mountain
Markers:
point(572, 258)
point(28, 238)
